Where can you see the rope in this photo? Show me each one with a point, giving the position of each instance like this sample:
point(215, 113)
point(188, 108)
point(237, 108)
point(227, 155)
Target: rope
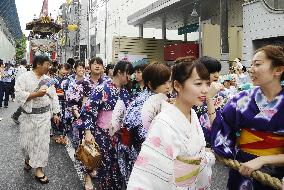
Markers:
point(264, 178)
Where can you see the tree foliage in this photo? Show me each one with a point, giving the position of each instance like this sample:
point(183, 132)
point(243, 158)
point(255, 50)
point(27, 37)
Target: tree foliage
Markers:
point(21, 48)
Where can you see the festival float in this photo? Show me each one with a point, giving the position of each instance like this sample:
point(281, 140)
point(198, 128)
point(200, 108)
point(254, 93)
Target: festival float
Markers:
point(42, 36)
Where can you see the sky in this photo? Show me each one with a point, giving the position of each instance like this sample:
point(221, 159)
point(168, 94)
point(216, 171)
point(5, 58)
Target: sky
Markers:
point(27, 8)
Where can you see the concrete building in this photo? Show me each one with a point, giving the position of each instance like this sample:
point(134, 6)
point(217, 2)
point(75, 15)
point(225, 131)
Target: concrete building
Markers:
point(69, 37)
point(228, 28)
point(263, 24)
point(84, 36)
point(103, 31)
point(220, 24)
point(10, 29)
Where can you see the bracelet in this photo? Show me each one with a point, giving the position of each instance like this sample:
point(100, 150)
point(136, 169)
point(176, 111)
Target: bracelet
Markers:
point(211, 113)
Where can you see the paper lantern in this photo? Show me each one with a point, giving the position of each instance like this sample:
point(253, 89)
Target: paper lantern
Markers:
point(69, 2)
point(72, 27)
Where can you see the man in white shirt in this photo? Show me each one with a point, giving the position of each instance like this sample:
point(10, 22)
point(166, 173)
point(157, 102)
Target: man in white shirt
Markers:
point(6, 83)
point(19, 71)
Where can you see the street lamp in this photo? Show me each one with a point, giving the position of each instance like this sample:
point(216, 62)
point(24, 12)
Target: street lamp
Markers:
point(195, 14)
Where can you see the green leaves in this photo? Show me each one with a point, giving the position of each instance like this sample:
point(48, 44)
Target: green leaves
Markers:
point(21, 48)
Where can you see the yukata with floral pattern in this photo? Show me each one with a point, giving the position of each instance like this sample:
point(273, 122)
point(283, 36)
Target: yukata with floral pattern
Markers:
point(136, 90)
point(102, 113)
point(77, 132)
point(261, 133)
point(219, 102)
point(132, 134)
point(93, 85)
point(75, 91)
point(60, 129)
point(173, 155)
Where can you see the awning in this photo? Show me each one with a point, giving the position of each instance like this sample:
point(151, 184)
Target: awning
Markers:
point(175, 11)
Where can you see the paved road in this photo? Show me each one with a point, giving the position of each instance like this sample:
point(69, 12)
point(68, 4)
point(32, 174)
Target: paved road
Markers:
point(60, 170)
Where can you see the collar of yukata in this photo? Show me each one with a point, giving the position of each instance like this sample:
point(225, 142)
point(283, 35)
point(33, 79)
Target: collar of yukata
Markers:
point(262, 101)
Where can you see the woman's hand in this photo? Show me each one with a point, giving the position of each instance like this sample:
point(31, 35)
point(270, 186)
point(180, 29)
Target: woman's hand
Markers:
point(75, 111)
point(214, 89)
point(88, 136)
point(111, 131)
point(56, 120)
point(247, 168)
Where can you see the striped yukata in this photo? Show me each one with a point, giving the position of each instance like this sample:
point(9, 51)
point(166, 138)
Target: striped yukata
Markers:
point(35, 128)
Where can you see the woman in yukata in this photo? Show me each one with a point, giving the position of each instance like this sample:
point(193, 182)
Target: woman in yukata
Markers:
point(96, 76)
point(102, 116)
point(138, 83)
point(258, 115)
point(58, 131)
point(174, 155)
point(157, 82)
point(77, 90)
point(214, 67)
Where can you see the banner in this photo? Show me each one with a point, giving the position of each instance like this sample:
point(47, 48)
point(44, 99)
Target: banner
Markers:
point(134, 59)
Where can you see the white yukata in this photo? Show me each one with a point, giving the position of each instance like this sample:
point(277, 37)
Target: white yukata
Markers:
point(35, 128)
point(173, 155)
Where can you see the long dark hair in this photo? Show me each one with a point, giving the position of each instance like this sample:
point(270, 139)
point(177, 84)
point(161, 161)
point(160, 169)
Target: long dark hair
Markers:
point(123, 66)
point(183, 70)
point(108, 67)
point(211, 64)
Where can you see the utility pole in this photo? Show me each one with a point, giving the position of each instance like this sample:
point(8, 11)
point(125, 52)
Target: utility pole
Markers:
point(224, 35)
point(65, 44)
point(106, 30)
point(89, 7)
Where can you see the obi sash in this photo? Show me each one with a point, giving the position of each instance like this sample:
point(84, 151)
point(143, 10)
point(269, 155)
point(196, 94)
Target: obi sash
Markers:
point(261, 143)
point(125, 137)
point(186, 171)
point(104, 119)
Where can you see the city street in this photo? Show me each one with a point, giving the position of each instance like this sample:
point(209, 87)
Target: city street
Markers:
point(60, 170)
point(105, 69)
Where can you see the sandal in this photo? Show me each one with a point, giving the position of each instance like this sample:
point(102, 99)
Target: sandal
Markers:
point(40, 179)
point(27, 166)
point(61, 140)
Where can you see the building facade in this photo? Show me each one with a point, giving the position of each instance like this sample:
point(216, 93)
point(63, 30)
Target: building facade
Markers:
point(108, 19)
point(263, 24)
point(69, 36)
point(10, 30)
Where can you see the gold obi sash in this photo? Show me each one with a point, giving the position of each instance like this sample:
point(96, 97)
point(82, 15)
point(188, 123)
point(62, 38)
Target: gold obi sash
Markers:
point(261, 143)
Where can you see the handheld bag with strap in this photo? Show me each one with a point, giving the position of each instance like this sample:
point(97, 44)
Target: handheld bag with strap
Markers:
point(89, 154)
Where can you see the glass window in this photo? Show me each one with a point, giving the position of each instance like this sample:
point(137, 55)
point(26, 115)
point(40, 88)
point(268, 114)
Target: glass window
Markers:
point(275, 4)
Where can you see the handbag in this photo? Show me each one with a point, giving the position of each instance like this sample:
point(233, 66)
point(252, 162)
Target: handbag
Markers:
point(89, 154)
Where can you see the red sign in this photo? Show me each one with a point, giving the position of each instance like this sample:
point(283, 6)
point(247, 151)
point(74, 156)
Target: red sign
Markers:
point(174, 51)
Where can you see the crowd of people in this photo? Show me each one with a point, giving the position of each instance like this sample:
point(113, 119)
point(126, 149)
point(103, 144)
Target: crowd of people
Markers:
point(158, 126)
point(8, 75)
